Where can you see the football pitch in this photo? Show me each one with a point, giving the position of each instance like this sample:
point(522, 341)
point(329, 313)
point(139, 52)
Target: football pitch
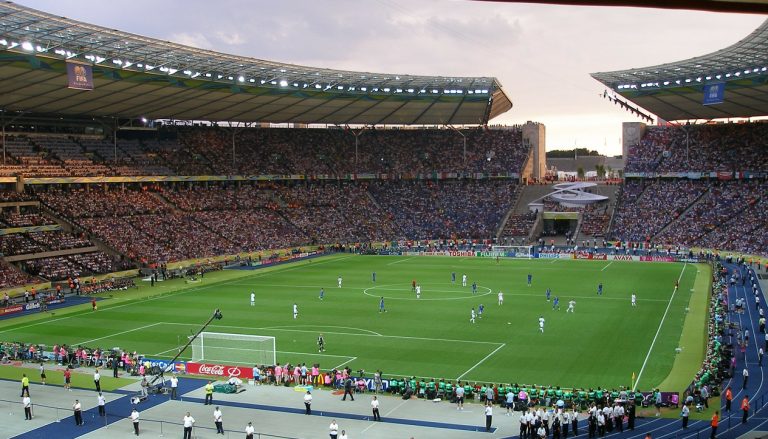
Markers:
point(602, 343)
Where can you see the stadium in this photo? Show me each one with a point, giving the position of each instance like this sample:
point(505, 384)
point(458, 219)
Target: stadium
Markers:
point(182, 225)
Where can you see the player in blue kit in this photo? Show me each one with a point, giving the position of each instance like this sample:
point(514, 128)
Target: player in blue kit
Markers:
point(600, 289)
point(549, 294)
point(556, 303)
point(530, 278)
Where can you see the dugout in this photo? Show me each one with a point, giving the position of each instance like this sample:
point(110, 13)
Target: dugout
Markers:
point(559, 223)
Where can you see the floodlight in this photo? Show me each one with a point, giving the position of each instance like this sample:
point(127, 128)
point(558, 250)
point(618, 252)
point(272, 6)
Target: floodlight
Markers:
point(4, 42)
point(241, 78)
point(143, 119)
point(364, 88)
point(283, 83)
point(318, 86)
point(386, 90)
point(26, 45)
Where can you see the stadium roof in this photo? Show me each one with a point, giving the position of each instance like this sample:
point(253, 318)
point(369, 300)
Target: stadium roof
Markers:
point(136, 76)
point(675, 91)
point(751, 6)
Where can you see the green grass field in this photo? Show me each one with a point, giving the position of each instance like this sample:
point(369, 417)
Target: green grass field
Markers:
point(601, 344)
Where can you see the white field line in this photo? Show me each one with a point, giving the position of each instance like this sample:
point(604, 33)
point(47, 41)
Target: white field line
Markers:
point(565, 295)
point(658, 330)
point(205, 287)
point(609, 264)
point(554, 260)
point(400, 337)
point(284, 352)
point(481, 361)
point(401, 260)
point(324, 326)
point(351, 359)
point(116, 334)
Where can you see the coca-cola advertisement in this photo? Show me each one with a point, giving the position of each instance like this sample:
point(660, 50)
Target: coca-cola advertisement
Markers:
point(219, 370)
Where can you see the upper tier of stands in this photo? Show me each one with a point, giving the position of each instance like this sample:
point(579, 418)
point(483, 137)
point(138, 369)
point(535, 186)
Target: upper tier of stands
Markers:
point(701, 148)
point(209, 151)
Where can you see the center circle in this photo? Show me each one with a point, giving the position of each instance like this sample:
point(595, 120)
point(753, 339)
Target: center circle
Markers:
point(446, 292)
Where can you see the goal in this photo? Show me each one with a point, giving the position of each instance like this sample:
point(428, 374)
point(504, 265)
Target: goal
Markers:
point(219, 347)
point(514, 251)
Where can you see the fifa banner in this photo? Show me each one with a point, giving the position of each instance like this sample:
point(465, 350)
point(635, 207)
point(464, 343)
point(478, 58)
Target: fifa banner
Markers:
point(80, 76)
point(220, 370)
point(714, 93)
point(166, 366)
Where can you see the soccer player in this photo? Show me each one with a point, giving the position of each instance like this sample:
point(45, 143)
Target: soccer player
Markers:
point(474, 287)
point(253, 298)
point(571, 304)
point(549, 293)
point(373, 277)
point(322, 293)
point(413, 285)
point(453, 277)
point(480, 310)
point(472, 315)
point(541, 324)
point(463, 280)
point(556, 303)
point(295, 311)
point(339, 281)
point(600, 289)
point(320, 343)
point(381, 305)
point(418, 291)
point(530, 278)
point(501, 298)
point(634, 299)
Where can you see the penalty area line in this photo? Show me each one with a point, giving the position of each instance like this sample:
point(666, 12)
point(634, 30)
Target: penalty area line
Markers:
point(401, 260)
point(609, 264)
point(481, 361)
point(351, 359)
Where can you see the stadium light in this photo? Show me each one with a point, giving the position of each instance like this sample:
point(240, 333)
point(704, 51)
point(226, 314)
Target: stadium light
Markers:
point(386, 90)
point(241, 78)
point(283, 83)
point(26, 45)
point(3, 42)
point(13, 44)
point(318, 86)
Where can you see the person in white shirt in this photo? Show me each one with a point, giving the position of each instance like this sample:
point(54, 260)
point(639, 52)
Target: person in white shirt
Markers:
point(472, 315)
point(217, 420)
point(308, 403)
point(418, 291)
point(334, 430)
point(501, 298)
point(634, 299)
point(27, 403)
point(135, 420)
point(541, 324)
point(174, 386)
point(375, 409)
point(97, 380)
point(488, 416)
point(78, 409)
point(463, 280)
point(339, 281)
point(189, 421)
point(102, 403)
point(249, 430)
point(253, 298)
point(566, 422)
point(343, 434)
point(295, 311)
point(571, 304)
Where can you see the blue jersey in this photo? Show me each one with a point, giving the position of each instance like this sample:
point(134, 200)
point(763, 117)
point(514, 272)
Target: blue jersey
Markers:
point(453, 277)
point(549, 293)
point(381, 304)
point(322, 293)
point(600, 288)
point(530, 277)
point(480, 309)
point(556, 302)
point(474, 287)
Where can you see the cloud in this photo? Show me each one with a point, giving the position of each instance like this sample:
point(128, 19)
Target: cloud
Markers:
point(194, 39)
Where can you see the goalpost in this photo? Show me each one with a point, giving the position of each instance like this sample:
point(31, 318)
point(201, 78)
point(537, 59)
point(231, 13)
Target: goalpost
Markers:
point(514, 251)
point(218, 347)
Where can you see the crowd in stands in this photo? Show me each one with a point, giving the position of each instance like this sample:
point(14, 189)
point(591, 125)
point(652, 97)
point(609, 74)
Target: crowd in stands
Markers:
point(519, 225)
point(701, 148)
point(11, 276)
point(645, 207)
point(595, 219)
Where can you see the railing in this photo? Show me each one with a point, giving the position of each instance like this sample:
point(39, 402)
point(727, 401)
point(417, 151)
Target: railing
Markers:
point(147, 426)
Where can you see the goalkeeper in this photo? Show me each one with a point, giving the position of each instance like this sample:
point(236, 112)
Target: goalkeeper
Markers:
point(320, 343)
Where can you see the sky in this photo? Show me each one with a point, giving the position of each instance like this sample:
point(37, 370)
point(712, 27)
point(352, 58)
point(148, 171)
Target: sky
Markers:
point(541, 54)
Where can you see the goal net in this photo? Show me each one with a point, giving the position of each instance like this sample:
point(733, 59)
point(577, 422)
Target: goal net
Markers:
point(218, 347)
point(514, 251)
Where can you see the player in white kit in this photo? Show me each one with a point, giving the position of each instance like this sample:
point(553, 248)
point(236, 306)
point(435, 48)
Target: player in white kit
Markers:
point(339, 280)
point(472, 315)
point(501, 298)
point(418, 291)
point(541, 324)
point(634, 299)
point(253, 299)
point(295, 311)
point(571, 304)
point(463, 280)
